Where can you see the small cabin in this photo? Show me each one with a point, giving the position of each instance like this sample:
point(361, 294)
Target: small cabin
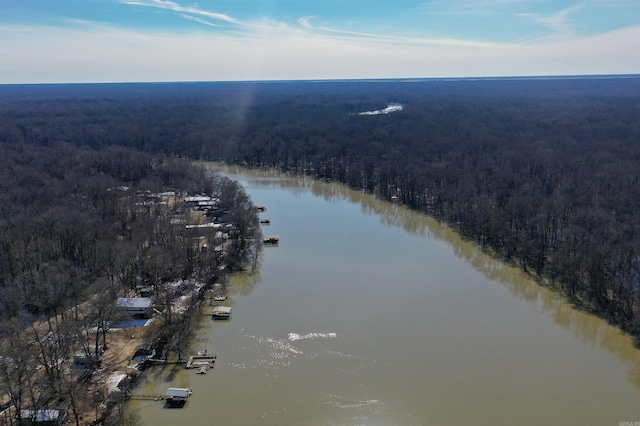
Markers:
point(47, 417)
point(197, 200)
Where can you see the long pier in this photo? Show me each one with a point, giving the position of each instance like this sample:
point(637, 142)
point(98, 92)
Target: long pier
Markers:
point(163, 361)
point(147, 397)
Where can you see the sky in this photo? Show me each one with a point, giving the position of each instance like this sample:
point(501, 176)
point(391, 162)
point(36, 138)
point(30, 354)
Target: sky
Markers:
point(79, 41)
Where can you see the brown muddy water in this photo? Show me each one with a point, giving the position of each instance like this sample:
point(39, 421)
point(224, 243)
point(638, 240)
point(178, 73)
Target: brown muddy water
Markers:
point(369, 314)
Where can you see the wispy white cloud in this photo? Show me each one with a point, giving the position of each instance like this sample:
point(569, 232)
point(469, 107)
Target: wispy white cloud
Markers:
point(305, 22)
point(376, 38)
point(194, 12)
point(200, 21)
point(170, 5)
point(560, 22)
point(525, 21)
point(476, 7)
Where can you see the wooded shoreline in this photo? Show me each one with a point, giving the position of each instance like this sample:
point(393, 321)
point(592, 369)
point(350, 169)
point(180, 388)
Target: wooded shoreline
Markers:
point(83, 229)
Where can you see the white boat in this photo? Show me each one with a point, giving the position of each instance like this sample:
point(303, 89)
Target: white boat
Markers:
point(220, 297)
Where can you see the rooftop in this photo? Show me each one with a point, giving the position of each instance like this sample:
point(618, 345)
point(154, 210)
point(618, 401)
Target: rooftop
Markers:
point(134, 302)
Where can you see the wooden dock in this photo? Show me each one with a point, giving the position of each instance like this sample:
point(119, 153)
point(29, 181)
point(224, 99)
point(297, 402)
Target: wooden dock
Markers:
point(147, 397)
point(164, 361)
point(198, 361)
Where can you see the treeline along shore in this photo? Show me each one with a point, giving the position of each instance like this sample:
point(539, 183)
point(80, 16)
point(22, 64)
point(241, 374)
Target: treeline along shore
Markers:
point(543, 172)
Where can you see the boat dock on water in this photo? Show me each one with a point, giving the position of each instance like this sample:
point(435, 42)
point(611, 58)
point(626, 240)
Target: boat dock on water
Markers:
point(177, 397)
point(271, 239)
point(221, 312)
point(202, 359)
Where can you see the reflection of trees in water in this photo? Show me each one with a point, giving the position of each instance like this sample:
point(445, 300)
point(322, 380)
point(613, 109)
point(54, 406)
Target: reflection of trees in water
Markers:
point(590, 329)
point(244, 283)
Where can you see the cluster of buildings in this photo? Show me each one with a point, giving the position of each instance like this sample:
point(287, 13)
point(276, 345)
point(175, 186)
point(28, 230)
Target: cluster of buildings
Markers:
point(203, 221)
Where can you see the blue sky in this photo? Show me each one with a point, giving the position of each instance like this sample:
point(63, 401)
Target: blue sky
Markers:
point(55, 41)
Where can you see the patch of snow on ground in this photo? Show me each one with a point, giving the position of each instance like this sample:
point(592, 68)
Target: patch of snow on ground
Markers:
point(113, 381)
point(387, 110)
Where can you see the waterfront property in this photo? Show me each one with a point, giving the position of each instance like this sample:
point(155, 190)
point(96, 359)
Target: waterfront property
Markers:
point(202, 203)
point(47, 417)
point(137, 307)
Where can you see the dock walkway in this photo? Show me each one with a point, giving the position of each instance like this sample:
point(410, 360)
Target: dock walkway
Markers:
point(147, 397)
point(198, 361)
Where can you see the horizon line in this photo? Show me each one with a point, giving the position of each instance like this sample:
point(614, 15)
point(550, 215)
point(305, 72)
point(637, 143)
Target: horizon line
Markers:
point(351, 80)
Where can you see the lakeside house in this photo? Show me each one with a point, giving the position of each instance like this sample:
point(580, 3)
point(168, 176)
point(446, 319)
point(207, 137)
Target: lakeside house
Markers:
point(46, 417)
point(137, 307)
point(202, 202)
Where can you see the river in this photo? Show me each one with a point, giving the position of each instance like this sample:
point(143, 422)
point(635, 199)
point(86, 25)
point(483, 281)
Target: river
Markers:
point(369, 314)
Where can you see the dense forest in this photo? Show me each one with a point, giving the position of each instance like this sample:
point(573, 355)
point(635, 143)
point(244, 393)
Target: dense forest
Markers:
point(543, 172)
